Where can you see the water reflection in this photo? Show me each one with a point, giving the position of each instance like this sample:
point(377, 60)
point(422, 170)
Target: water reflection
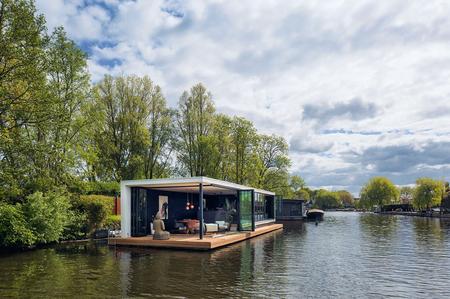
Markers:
point(381, 228)
point(430, 233)
point(231, 270)
point(59, 271)
point(347, 255)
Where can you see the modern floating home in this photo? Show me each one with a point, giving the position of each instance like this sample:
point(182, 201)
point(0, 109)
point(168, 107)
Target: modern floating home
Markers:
point(290, 209)
point(199, 212)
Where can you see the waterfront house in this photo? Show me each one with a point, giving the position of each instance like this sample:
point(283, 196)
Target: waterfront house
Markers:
point(193, 208)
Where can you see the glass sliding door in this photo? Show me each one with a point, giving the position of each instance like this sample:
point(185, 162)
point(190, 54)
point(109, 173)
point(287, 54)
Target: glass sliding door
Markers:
point(246, 213)
point(139, 214)
point(260, 207)
point(264, 207)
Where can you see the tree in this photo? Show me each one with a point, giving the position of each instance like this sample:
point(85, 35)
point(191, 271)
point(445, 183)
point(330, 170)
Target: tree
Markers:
point(273, 174)
point(445, 204)
point(161, 136)
point(195, 119)
point(46, 215)
point(121, 135)
point(406, 194)
point(378, 191)
point(68, 89)
point(346, 198)
point(243, 136)
point(428, 193)
point(14, 231)
point(302, 194)
point(43, 85)
point(297, 183)
point(326, 199)
point(22, 43)
point(22, 91)
point(222, 155)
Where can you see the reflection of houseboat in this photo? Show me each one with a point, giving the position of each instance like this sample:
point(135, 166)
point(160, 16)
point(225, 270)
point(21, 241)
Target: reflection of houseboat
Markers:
point(194, 210)
point(315, 214)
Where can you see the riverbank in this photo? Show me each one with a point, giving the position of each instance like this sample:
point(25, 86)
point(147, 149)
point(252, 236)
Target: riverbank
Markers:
point(417, 214)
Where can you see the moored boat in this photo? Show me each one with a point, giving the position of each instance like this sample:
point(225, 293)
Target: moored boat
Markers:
point(315, 214)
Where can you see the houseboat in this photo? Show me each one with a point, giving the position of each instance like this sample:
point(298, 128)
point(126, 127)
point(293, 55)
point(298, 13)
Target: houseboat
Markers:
point(290, 209)
point(199, 212)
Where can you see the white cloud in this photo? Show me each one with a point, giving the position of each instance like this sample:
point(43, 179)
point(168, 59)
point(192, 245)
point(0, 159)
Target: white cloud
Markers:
point(269, 61)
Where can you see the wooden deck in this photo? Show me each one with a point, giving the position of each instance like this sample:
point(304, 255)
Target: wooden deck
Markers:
point(210, 241)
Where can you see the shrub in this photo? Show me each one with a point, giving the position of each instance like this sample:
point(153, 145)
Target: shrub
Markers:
point(103, 188)
point(97, 188)
point(46, 215)
point(113, 222)
point(14, 231)
point(76, 227)
point(97, 209)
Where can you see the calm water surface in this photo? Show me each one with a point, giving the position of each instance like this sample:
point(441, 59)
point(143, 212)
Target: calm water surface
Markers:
point(348, 255)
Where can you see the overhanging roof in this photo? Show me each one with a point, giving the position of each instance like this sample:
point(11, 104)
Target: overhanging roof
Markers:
point(191, 184)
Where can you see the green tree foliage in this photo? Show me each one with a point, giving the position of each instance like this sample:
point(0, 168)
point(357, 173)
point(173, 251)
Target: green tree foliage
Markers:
point(97, 209)
point(14, 230)
point(41, 218)
point(68, 87)
point(378, 191)
point(302, 194)
point(22, 89)
point(76, 225)
point(298, 189)
point(445, 204)
point(327, 199)
point(243, 140)
point(113, 222)
point(428, 193)
point(43, 85)
point(95, 187)
point(161, 133)
point(273, 167)
point(134, 132)
point(222, 155)
point(195, 119)
point(46, 215)
point(406, 194)
point(22, 55)
point(121, 134)
point(346, 198)
point(297, 183)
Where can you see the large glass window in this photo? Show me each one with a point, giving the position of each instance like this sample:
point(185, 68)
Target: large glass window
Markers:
point(245, 210)
point(139, 215)
point(263, 207)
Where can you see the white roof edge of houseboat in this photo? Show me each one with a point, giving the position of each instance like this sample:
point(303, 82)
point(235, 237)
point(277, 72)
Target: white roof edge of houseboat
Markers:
point(190, 180)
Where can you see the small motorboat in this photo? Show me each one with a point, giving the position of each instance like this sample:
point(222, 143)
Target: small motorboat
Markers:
point(315, 214)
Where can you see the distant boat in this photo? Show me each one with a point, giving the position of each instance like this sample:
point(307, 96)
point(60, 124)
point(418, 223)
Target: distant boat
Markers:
point(315, 214)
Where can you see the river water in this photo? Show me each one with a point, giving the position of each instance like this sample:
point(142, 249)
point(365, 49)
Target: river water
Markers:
point(348, 255)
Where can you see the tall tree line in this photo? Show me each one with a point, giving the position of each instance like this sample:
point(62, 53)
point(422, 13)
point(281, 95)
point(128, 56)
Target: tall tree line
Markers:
point(57, 129)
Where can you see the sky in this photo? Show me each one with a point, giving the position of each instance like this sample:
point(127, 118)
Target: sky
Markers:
point(357, 88)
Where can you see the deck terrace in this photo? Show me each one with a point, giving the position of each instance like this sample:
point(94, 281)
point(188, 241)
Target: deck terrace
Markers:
point(209, 241)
